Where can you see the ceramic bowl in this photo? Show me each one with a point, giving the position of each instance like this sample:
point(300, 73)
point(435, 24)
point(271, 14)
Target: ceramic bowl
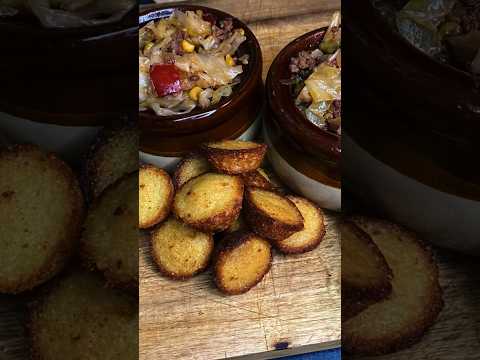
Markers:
point(304, 174)
point(70, 142)
point(434, 95)
point(445, 218)
point(307, 136)
point(174, 136)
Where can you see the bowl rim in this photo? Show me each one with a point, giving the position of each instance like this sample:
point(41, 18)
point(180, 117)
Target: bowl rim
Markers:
point(275, 87)
point(255, 62)
point(454, 71)
point(81, 33)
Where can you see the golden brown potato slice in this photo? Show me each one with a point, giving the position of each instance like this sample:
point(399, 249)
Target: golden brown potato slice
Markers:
point(353, 306)
point(113, 155)
point(179, 250)
point(271, 215)
point(210, 202)
point(155, 196)
point(78, 317)
point(41, 214)
point(416, 300)
point(311, 235)
point(238, 224)
point(257, 178)
point(190, 167)
point(366, 276)
point(235, 156)
point(110, 237)
point(241, 262)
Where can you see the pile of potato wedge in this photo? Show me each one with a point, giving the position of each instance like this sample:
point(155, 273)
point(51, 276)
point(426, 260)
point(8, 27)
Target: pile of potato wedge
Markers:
point(221, 208)
point(390, 287)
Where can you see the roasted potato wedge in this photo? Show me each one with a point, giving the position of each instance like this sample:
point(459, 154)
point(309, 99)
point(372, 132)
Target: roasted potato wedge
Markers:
point(110, 238)
point(234, 156)
point(78, 317)
point(238, 225)
point(257, 178)
point(271, 215)
point(41, 214)
point(179, 250)
point(241, 262)
point(414, 304)
point(190, 167)
point(155, 196)
point(366, 276)
point(311, 235)
point(210, 202)
point(113, 155)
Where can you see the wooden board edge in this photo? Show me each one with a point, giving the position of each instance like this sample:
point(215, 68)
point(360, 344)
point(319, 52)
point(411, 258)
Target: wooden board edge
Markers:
point(275, 354)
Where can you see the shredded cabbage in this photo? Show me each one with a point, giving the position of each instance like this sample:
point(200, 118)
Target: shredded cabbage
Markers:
point(324, 84)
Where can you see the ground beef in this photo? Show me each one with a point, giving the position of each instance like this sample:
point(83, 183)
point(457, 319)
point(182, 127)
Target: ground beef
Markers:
point(224, 31)
point(307, 60)
point(175, 45)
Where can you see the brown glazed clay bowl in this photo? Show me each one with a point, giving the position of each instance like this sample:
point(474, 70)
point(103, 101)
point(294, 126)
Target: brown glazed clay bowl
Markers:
point(77, 76)
point(434, 96)
point(282, 109)
point(222, 120)
point(27, 45)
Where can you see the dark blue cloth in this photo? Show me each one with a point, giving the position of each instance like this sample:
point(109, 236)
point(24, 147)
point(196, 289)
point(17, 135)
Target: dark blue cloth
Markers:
point(334, 354)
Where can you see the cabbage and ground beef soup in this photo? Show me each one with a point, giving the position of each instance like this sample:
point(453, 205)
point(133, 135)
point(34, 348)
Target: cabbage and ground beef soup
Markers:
point(188, 61)
point(316, 80)
point(447, 30)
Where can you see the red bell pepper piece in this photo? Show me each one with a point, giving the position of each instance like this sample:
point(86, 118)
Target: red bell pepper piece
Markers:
point(165, 79)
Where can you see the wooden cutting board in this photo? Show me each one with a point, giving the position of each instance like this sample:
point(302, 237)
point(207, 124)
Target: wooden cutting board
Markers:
point(296, 306)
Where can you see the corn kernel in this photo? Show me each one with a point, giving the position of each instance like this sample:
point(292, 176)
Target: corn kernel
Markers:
point(242, 32)
point(147, 47)
point(194, 92)
point(229, 60)
point(187, 47)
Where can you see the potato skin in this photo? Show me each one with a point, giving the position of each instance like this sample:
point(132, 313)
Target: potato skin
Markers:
point(178, 176)
point(170, 274)
point(226, 245)
point(235, 162)
point(64, 249)
point(263, 224)
point(393, 342)
point(285, 249)
point(361, 298)
point(216, 223)
point(254, 178)
point(161, 215)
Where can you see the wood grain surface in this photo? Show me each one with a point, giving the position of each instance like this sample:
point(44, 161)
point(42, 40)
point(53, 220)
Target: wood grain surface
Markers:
point(456, 334)
point(297, 304)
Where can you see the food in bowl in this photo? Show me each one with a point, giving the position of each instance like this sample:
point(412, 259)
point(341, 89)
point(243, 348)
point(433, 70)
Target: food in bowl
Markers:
point(188, 61)
point(447, 30)
point(316, 80)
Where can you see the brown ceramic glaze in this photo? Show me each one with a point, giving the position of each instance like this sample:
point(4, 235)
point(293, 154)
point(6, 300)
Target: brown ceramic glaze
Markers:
point(281, 104)
point(432, 95)
point(76, 77)
point(174, 135)
point(323, 170)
